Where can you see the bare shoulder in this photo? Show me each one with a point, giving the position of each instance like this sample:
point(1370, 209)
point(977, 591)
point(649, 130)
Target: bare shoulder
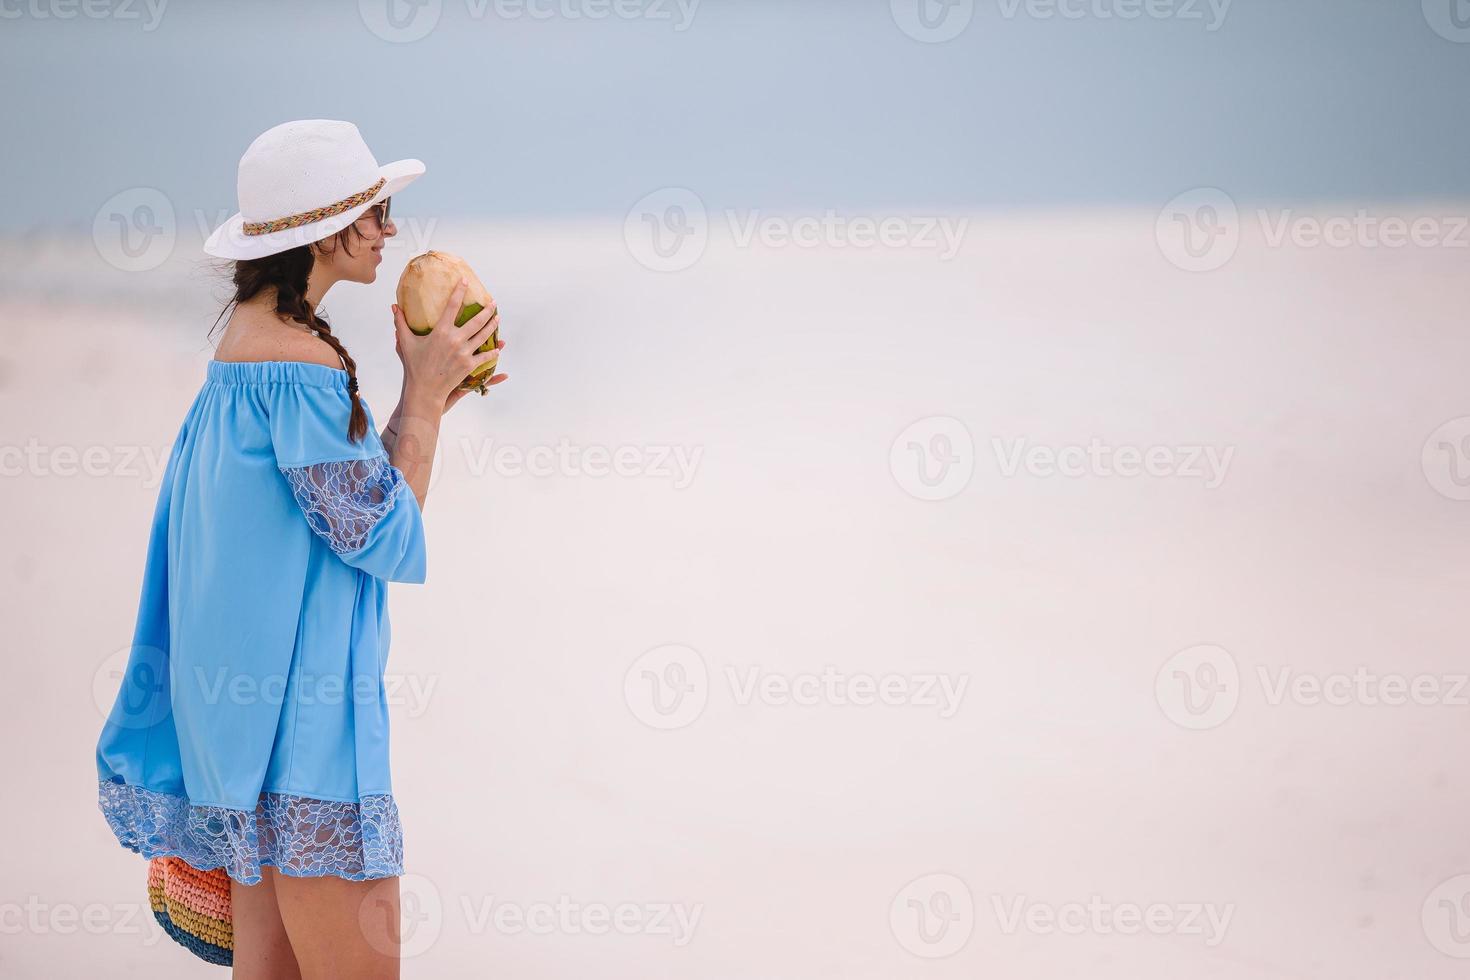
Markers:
point(257, 336)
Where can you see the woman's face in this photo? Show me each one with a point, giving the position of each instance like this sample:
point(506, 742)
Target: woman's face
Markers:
point(355, 254)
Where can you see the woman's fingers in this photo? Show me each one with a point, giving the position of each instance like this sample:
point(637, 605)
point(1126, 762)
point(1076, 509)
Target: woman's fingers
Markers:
point(484, 389)
point(478, 328)
point(452, 308)
point(489, 357)
point(400, 326)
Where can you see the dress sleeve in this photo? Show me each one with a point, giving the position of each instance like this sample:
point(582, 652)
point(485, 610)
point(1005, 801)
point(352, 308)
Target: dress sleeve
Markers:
point(352, 497)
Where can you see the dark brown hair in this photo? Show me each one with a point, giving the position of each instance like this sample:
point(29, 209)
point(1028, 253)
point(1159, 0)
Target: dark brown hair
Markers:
point(286, 273)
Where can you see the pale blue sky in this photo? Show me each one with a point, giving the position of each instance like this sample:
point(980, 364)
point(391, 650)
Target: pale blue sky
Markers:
point(757, 103)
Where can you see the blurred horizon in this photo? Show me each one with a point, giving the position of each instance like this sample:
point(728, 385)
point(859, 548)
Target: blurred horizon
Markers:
point(559, 108)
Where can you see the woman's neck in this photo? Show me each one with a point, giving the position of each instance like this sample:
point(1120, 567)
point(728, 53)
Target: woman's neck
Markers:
point(318, 281)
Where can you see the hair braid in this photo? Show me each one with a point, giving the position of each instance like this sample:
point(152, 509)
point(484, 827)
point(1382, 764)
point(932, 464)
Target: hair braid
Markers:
point(357, 426)
point(286, 273)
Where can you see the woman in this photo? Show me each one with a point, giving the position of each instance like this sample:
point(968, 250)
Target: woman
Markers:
point(247, 751)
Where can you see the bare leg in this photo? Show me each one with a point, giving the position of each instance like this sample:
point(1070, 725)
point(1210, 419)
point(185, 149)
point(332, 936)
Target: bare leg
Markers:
point(262, 951)
point(341, 928)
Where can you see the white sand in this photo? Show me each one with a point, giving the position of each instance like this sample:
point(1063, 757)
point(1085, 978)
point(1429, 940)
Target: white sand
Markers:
point(525, 776)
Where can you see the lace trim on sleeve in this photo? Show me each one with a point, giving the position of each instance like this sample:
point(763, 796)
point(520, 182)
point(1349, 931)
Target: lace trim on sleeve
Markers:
point(345, 499)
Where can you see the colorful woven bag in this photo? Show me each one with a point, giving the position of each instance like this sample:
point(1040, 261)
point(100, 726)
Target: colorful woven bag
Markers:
point(193, 907)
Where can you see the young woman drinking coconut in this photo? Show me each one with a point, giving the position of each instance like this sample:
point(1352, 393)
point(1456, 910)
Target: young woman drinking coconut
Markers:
point(247, 751)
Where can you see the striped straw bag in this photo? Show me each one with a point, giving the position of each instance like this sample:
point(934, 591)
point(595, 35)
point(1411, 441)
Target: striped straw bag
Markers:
point(193, 907)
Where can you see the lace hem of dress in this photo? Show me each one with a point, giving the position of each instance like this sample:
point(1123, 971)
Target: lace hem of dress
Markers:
point(343, 500)
point(296, 835)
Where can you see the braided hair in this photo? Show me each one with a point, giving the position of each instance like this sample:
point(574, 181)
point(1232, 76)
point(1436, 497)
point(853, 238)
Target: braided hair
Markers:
point(286, 273)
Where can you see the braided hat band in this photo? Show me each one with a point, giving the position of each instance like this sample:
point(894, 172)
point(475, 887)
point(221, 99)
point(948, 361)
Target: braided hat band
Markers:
point(314, 215)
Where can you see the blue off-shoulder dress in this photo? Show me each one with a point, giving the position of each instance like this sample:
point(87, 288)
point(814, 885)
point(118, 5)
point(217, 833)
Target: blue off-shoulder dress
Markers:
point(251, 726)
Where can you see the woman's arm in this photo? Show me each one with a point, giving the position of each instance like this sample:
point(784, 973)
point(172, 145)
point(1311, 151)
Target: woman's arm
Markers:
point(433, 366)
point(390, 431)
point(415, 438)
point(389, 434)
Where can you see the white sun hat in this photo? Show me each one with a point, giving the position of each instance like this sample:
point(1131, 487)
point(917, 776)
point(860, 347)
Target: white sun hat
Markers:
point(301, 182)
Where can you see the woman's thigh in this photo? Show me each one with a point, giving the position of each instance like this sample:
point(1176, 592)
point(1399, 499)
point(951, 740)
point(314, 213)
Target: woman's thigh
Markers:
point(341, 928)
point(262, 950)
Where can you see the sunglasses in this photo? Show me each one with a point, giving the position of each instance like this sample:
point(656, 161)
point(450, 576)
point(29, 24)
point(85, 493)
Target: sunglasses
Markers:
point(379, 213)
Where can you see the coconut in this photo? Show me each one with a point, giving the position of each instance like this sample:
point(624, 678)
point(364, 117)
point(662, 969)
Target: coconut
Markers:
point(424, 290)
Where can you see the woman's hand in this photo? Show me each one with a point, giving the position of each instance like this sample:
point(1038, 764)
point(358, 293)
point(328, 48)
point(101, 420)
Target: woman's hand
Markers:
point(436, 363)
point(433, 367)
point(482, 388)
